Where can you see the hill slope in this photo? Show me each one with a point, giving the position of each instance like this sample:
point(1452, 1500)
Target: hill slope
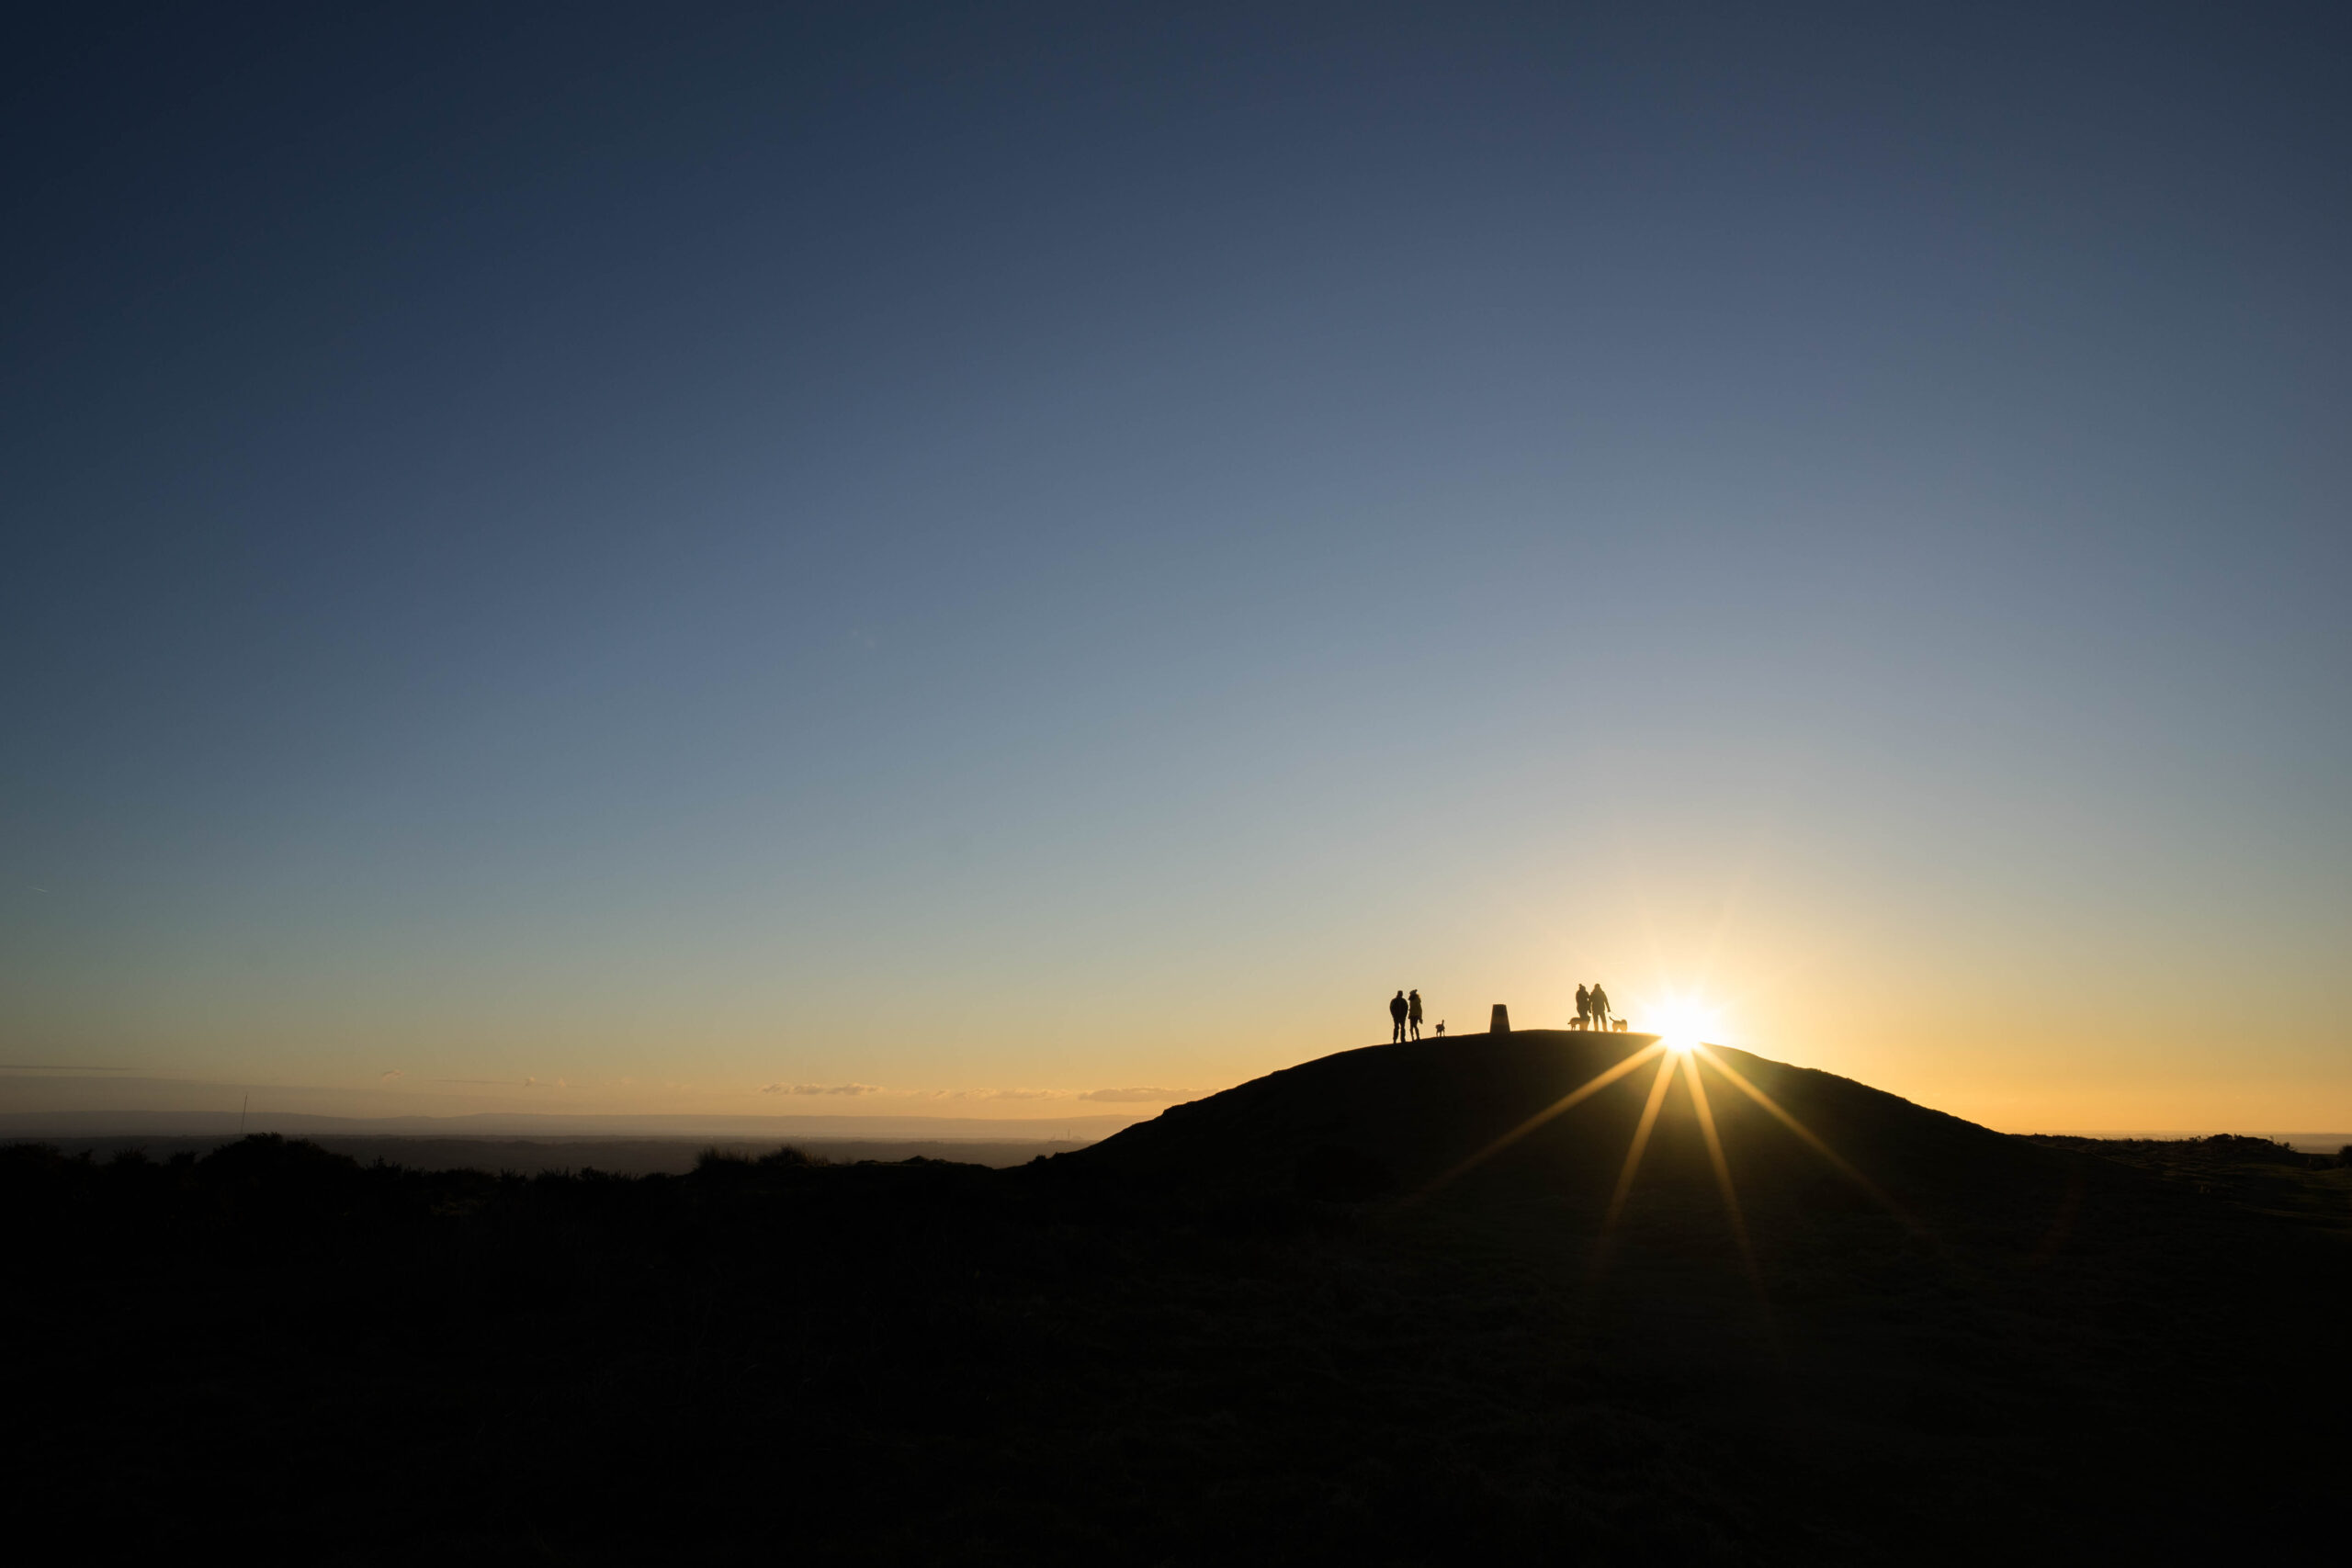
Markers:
point(1197, 1344)
point(1404, 1118)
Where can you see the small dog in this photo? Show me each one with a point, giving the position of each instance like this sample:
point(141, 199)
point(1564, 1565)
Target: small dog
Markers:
point(1621, 1026)
point(1440, 1028)
point(1576, 1024)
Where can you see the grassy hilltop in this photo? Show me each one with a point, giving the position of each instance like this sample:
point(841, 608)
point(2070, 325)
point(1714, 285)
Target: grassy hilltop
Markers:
point(1284, 1323)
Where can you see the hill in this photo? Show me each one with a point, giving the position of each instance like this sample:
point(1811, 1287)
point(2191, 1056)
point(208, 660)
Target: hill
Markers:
point(1559, 1109)
point(1342, 1313)
point(1870, 1308)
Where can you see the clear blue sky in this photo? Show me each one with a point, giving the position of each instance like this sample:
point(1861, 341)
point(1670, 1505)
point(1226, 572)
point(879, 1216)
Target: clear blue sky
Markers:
point(965, 549)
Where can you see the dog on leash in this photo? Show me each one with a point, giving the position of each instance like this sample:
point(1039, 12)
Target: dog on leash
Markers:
point(1576, 1024)
point(1618, 1026)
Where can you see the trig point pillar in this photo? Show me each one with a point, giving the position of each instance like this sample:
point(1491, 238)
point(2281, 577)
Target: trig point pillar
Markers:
point(1501, 1024)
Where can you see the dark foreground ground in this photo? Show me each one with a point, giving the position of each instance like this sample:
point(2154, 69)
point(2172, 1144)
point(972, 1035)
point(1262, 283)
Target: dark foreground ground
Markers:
point(2136, 1348)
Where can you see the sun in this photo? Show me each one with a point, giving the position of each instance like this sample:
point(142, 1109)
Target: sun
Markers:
point(1682, 1022)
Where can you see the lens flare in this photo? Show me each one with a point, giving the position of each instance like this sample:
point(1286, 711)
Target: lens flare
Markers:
point(1682, 1022)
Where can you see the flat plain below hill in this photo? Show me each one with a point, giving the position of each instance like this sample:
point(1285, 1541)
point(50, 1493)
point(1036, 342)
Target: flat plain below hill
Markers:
point(614, 1157)
point(1295, 1321)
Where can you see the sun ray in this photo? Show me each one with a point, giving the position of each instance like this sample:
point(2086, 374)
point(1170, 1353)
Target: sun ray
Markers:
point(1658, 1087)
point(1605, 1241)
point(1593, 1085)
point(1723, 1171)
point(1843, 1168)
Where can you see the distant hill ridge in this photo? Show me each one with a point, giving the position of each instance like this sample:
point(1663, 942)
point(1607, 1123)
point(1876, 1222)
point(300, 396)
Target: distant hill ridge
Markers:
point(259, 1119)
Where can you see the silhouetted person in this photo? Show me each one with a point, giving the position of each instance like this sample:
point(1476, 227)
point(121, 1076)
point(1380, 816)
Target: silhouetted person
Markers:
point(1397, 1006)
point(1599, 1006)
point(1584, 1008)
point(1413, 1013)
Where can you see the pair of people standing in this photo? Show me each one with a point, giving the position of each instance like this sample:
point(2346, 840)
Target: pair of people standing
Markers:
point(1592, 1007)
point(1404, 1012)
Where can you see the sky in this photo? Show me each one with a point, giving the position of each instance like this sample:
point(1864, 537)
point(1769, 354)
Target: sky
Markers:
point(1012, 560)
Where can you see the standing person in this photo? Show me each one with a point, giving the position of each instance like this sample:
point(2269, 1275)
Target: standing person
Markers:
point(1584, 1008)
point(1413, 1013)
point(1599, 1005)
point(1397, 1018)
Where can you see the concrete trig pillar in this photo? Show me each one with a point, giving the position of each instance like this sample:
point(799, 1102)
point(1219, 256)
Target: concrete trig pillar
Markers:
point(1501, 1024)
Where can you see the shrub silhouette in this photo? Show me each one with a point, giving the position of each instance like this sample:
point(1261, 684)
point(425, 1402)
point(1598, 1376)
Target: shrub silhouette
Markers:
point(726, 1164)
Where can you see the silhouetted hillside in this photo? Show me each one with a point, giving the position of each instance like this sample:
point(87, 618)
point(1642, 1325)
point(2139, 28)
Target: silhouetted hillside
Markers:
point(1265, 1328)
point(1413, 1113)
